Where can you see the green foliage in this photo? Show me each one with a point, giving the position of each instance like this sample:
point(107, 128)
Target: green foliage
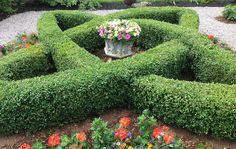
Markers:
point(64, 51)
point(54, 99)
point(102, 135)
point(91, 86)
point(67, 3)
point(200, 107)
point(146, 124)
point(230, 12)
point(24, 63)
point(89, 4)
point(38, 145)
point(83, 4)
point(10, 6)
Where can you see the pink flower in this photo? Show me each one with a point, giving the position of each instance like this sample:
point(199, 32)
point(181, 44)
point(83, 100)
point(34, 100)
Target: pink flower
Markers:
point(119, 36)
point(2, 46)
point(127, 37)
point(102, 31)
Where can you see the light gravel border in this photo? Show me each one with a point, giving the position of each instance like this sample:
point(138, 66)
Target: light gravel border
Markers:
point(27, 22)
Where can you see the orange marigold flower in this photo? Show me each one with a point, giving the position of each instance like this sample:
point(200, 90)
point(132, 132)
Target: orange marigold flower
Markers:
point(80, 147)
point(156, 132)
point(27, 45)
point(211, 37)
point(24, 39)
point(169, 138)
point(54, 140)
point(81, 136)
point(121, 133)
point(125, 121)
point(25, 146)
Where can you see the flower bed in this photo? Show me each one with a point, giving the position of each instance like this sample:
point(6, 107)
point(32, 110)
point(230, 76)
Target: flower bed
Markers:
point(122, 136)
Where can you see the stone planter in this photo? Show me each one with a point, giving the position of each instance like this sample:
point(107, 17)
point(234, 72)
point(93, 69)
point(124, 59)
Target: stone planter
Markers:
point(118, 49)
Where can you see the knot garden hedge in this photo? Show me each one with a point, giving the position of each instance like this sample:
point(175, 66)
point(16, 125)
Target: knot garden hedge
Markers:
point(31, 99)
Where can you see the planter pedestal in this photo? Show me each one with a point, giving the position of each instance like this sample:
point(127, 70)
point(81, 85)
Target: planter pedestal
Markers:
point(118, 49)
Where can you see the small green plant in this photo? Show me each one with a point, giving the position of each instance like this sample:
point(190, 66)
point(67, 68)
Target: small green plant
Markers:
point(102, 135)
point(230, 12)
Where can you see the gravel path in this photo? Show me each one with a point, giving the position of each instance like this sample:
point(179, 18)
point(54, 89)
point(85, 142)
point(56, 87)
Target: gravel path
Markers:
point(19, 23)
point(209, 25)
point(26, 22)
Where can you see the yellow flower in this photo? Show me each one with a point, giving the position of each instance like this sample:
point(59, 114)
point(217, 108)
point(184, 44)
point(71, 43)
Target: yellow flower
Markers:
point(123, 146)
point(149, 146)
point(130, 147)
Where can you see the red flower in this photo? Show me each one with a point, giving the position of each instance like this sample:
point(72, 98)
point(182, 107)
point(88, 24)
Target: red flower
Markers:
point(168, 138)
point(24, 39)
point(125, 121)
point(54, 140)
point(81, 136)
point(211, 37)
point(121, 133)
point(73, 147)
point(156, 132)
point(165, 128)
point(25, 146)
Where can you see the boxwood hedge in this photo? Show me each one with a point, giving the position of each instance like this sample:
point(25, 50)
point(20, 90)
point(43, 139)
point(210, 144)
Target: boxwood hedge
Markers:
point(199, 107)
point(24, 63)
point(69, 96)
point(85, 85)
point(63, 50)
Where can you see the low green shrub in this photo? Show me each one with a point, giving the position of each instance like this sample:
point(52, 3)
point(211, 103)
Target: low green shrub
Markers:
point(67, 3)
point(200, 107)
point(24, 63)
point(83, 4)
point(10, 6)
point(230, 12)
point(89, 4)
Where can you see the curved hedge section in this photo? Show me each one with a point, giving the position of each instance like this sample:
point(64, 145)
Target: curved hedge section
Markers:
point(84, 85)
point(24, 63)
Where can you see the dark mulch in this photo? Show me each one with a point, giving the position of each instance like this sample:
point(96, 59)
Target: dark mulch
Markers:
point(105, 58)
point(224, 20)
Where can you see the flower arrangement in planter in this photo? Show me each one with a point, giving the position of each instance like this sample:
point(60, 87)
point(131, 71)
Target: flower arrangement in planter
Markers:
point(119, 37)
point(123, 135)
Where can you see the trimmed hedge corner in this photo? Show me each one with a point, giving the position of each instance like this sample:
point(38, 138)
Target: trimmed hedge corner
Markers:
point(24, 63)
point(64, 51)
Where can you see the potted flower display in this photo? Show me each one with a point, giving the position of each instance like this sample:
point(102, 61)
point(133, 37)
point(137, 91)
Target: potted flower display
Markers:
point(119, 37)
